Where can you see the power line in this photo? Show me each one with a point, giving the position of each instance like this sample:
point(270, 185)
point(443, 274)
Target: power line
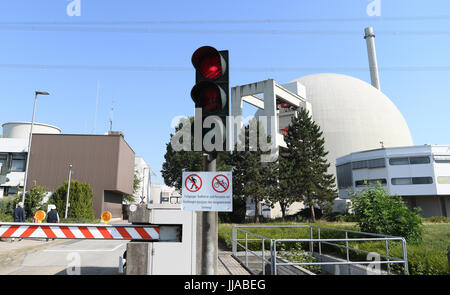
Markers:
point(215, 31)
point(234, 69)
point(237, 21)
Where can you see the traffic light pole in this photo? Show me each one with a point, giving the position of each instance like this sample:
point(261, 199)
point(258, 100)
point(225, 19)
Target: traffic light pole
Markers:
point(209, 229)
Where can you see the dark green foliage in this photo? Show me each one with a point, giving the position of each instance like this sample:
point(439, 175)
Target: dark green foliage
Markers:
point(177, 161)
point(7, 205)
point(378, 212)
point(252, 178)
point(33, 199)
point(80, 200)
point(136, 187)
point(306, 165)
point(238, 214)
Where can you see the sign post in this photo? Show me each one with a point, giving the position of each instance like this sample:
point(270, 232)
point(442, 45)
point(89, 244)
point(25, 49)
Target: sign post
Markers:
point(208, 192)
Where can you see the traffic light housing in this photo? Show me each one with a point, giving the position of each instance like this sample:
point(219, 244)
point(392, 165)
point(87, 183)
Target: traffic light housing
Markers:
point(211, 90)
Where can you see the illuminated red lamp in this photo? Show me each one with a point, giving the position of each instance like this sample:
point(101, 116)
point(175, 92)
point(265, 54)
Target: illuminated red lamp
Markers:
point(209, 62)
point(209, 96)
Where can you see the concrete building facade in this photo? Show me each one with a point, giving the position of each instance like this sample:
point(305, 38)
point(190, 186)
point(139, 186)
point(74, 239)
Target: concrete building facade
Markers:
point(106, 162)
point(420, 174)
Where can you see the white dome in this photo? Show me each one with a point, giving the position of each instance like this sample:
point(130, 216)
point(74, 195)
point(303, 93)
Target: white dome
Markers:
point(353, 115)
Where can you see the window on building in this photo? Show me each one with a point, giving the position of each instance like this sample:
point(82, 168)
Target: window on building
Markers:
point(409, 161)
point(419, 160)
point(18, 163)
point(442, 161)
point(422, 180)
point(3, 160)
point(443, 179)
point(359, 165)
point(412, 180)
point(376, 163)
point(344, 176)
point(12, 191)
point(399, 161)
point(371, 164)
point(371, 182)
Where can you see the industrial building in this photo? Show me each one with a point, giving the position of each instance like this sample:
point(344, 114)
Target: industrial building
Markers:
point(353, 115)
point(106, 162)
point(420, 174)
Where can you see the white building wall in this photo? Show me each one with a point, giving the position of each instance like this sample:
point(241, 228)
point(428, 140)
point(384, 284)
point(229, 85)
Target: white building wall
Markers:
point(429, 197)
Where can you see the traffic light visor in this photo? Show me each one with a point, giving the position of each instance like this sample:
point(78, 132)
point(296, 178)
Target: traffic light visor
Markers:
point(209, 96)
point(209, 62)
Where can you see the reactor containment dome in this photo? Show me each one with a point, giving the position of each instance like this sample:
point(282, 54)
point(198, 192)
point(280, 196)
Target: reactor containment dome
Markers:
point(353, 115)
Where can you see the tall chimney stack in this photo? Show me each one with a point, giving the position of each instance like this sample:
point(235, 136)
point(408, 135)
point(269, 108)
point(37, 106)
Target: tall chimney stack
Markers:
point(370, 40)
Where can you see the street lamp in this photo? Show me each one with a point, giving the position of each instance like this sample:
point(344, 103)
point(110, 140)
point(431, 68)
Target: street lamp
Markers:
point(36, 93)
point(143, 185)
point(68, 191)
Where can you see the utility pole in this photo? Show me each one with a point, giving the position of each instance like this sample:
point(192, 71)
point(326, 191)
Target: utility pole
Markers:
point(36, 93)
point(209, 259)
point(68, 191)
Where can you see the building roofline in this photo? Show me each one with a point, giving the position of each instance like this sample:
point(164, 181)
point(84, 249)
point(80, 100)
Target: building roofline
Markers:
point(79, 134)
point(29, 123)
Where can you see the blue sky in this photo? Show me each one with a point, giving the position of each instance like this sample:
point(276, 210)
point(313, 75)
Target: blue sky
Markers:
point(146, 100)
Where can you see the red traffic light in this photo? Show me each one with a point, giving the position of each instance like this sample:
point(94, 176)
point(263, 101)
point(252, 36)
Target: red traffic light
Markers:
point(209, 96)
point(209, 62)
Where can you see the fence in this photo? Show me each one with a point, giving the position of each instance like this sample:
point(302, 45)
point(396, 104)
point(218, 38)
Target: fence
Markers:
point(270, 256)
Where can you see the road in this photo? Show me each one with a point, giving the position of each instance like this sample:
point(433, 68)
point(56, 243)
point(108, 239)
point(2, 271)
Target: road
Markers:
point(69, 257)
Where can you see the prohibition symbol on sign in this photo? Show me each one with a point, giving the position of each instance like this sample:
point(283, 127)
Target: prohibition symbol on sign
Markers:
point(220, 183)
point(193, 183)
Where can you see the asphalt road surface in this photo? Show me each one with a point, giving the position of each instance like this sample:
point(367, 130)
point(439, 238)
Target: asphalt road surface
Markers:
point(71, 257)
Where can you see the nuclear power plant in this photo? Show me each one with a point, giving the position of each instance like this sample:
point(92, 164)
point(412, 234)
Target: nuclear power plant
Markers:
point(354, 116)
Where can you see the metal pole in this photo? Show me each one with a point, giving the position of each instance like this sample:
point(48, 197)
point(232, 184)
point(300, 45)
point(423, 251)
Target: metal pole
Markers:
point(143, 184)
point(209, 256)
point(405, 256)
point(29, 150)
point(320, 244)
point(263, 259)
point(68, 191)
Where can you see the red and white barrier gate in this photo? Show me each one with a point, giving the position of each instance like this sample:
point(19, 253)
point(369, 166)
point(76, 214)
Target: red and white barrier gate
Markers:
point(80, 231)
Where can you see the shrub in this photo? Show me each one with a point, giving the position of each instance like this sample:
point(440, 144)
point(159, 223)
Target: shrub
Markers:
point(378, 212)
point(7, 205)
point(33, 199)
point(6, 217)
point(80, 200)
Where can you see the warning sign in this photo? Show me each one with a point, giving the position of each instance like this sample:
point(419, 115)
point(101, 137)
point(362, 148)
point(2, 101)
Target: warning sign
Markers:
point(193, 183)
point(220, 183)
point(207, 191)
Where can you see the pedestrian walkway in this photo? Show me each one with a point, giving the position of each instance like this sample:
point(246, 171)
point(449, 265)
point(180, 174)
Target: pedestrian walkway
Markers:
point(227, 265)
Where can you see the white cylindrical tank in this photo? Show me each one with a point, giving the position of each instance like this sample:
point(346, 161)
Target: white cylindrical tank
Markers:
point(22, 129)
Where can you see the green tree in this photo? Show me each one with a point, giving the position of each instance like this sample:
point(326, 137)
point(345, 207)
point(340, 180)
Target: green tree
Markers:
point(378, 212)
point(128, 199)
point(80, 200)
point(282, 191)
point(178, 161)
point(308, 178)
point(33, 199)
point(252, 178)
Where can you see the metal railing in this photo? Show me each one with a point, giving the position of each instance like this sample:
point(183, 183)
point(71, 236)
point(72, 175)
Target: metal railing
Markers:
point(271, 257)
